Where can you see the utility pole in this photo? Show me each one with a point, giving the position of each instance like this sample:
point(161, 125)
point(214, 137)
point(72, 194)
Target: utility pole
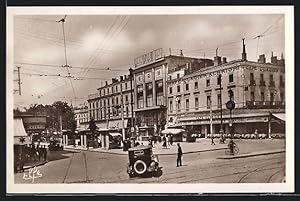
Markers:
point(220, 83)
point(122, 115)
point(131, 100)
point(18, 80)
point(211, 126)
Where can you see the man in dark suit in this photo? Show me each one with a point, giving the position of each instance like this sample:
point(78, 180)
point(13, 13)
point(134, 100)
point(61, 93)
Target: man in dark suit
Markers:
point(179, 155)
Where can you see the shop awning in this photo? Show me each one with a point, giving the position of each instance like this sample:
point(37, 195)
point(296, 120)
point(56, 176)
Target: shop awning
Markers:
point(280, 116)
point(20, 135)
point(173, 131)
point(117, 124)
point(115, 134)
point(101, 125)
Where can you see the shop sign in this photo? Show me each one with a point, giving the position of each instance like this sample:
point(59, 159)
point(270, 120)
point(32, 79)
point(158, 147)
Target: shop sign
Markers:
point(148, 57)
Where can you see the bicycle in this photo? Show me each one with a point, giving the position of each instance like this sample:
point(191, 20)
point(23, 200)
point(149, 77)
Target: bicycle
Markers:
point(235, 149)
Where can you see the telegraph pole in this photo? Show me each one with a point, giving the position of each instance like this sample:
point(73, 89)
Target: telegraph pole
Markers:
point(18, 80)
point(220, 83)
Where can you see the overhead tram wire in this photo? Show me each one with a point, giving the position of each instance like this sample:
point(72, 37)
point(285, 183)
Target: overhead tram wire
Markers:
point(77, 67)
point(106, 34)
point(65, 49)
point(116, 33)
point(64, 76)
point(106, 40)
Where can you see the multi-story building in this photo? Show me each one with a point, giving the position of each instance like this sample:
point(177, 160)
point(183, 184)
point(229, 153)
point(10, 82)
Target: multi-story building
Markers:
point(198, 100)
point(81, 117)
point(106, 106)
point(150, 75)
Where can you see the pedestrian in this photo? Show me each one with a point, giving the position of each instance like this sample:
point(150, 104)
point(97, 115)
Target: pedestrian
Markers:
point(169, 139)
point(39, 152)
point(164, 142)
point(212, 140)
point(179, 155)
point(45, 153)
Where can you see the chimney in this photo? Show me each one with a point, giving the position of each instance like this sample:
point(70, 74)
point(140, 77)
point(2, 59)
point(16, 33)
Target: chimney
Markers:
point(125, 77)
point(224, 60)
point(217, 60)
point(273, 59)
point(121, 78)
point(181, 54)
point(261, 59)
point(281, 61)
point(244, 54)
point(106, 83)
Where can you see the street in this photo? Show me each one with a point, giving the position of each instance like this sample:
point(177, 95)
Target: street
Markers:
point(204, 167)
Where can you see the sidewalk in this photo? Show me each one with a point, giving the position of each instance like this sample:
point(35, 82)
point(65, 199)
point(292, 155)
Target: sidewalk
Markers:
point(258, 153)
point(202, 145)
point(34, 164)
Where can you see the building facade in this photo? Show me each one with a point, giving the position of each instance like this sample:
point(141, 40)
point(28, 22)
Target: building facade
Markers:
point(150, 76)
point(106, 106)
point(82, 117)
point(197, 101)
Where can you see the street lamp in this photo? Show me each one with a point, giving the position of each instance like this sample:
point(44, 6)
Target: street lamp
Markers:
point(220, 85)
point(131, 100)
point(230, 105)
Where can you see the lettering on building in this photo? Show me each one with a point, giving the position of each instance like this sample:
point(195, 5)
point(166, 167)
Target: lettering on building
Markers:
point(148, 57)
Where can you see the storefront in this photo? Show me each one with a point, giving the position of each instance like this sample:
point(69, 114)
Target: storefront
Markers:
point(266, 123)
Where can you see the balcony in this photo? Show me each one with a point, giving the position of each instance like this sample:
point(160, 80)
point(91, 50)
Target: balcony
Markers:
point(262, 83)
point(252, 83)
point(265, 104)
point(272, 84)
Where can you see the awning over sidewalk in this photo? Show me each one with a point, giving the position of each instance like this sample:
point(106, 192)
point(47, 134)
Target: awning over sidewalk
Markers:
point(280, 116)
point(101, 125)
point(173, 131)
point(117, 123)
point(20, 135)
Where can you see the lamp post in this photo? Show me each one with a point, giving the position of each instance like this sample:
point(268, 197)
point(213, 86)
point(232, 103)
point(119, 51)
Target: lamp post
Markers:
point(230, 105)
point(131, 100)
point(220, 84)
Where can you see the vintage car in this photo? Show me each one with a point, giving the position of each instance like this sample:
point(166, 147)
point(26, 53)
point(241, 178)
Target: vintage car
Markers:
point(55, 146)
point(142, 161)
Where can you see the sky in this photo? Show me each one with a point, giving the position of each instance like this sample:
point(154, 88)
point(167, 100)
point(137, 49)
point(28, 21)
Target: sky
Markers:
point(97, 42)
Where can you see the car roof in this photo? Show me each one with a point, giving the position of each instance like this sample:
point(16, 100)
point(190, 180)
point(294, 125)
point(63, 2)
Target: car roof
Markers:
point(140, 147)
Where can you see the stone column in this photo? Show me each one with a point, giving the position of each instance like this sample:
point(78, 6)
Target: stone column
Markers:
point(66, 139)
point(81, 140)
point(144, 90)
point(205, 130)
point(107, 141)
point(84, 140)
point(153, 88)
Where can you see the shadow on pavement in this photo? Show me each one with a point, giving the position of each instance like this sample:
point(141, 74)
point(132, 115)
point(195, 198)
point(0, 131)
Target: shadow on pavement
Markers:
point(58, 155)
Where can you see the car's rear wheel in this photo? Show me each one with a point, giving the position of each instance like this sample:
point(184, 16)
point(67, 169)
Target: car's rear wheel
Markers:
point(140, 167)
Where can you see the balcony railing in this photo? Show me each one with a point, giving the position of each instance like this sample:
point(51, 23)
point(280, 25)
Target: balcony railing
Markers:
point(262, 83)
point(252, 83)
point(265, 104)
point(272, 84)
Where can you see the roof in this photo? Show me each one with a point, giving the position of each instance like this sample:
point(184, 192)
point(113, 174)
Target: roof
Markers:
point(280, 116)
point(173, 131)
point(115, 134)
point(140, 147)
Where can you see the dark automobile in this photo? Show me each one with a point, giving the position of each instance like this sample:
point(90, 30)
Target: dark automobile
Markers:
point(142, 161)
point(55, 146)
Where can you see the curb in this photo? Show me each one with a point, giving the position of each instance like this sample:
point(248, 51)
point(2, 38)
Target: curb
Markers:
point(251, 154)
point(160, 154)
point(39, 164)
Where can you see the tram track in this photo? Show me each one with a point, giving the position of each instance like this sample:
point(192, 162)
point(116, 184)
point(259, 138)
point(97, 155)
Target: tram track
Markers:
point(68, 168)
